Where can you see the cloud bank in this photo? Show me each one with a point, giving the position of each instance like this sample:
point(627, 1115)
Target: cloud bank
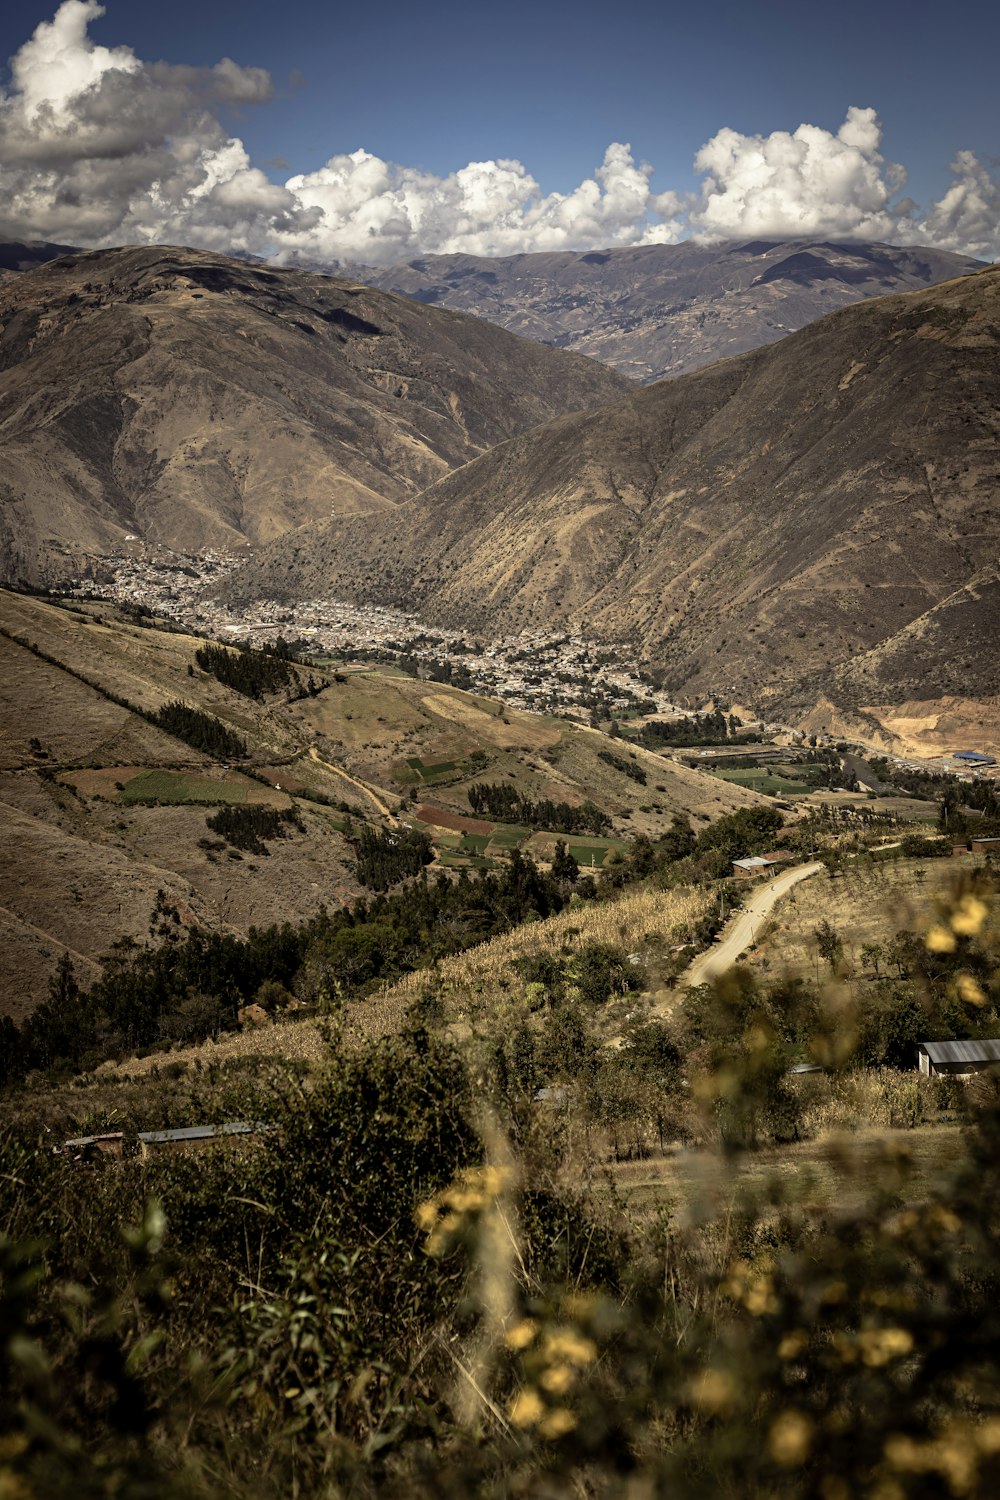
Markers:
point(98, 147)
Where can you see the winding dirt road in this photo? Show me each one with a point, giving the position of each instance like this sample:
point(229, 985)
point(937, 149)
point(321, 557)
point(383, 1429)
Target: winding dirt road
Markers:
point(740, 932)
point(383, 809)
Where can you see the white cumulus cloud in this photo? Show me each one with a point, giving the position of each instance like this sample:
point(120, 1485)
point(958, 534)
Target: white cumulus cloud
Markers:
point(967, 218)
point(808, 180)
point(99, 147)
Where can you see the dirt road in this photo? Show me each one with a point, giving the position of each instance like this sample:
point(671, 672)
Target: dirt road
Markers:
point(741, 930)
point(383, 809)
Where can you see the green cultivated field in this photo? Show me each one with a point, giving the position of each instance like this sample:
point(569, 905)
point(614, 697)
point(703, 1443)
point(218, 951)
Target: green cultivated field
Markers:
point(766, 781)
point(461, 861)
point(181, 787)
point(590, 856)
point(508, 836)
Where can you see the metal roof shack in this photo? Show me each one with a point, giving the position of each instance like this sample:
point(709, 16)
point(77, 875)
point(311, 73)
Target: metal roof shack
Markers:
point(185, 1137)
point(91, 1147)
point(974, 758)
point(759, 864)
point(957, 1059)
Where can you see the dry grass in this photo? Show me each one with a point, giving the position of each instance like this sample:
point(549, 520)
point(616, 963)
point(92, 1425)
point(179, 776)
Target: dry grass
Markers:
point(478, 985)
point(483, 984)
point(868, 904)
point(511, 728)
point(830, 1171)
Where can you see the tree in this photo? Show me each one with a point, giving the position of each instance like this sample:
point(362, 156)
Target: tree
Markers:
point(829, 943)
point(564, 865)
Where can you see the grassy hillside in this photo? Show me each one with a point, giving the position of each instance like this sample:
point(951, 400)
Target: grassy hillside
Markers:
point(104, 809)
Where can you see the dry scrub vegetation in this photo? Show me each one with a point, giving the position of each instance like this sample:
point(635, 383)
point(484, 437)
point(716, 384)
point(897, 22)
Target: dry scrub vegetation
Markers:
point(869, 903)
point(481, 984)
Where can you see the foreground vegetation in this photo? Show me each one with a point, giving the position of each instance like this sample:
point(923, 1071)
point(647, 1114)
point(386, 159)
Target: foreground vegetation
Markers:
point(419, 1280)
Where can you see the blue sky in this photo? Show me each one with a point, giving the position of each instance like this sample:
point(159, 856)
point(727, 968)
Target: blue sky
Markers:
point(433, 88)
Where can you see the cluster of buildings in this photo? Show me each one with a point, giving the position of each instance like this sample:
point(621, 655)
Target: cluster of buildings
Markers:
point(536, 670)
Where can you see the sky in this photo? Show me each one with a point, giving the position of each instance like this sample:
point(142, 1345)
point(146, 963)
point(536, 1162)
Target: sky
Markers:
point(316, 132)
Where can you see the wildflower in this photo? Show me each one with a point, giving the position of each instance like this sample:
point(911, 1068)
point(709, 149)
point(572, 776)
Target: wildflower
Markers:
point(789, 1439)
point(969, 916)
point(566, 1344)
point(793, 1344)
point(557, 1423)
point(527, 1408)
point(713, 1390)
point(557, 1379)
point(879, 1345)
point(521, 1335)
point(940, 940)
point(970, 990)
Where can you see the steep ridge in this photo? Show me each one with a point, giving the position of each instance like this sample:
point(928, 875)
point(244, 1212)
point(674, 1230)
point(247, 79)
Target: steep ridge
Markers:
point(751, 528)
point(192, 400)
point(667, 309)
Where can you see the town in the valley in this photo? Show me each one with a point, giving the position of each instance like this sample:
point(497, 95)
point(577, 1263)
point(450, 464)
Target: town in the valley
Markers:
point(541, 671)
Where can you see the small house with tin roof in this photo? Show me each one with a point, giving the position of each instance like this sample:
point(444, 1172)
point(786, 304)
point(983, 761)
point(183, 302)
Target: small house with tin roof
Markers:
point(957, 1059)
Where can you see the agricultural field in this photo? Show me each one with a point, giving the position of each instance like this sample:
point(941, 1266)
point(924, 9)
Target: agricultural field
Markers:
point(837, 1167)
point(129, 786)
point(88, 782)
point(772, 782)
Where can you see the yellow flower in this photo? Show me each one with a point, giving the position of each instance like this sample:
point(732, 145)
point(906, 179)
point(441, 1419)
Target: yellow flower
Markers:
point(557, 1423)
point(759, 1297)
point(521, 1335)
point(426, 1214)
point(988, 1436)
point(567, 1344)
point(789, 1439)
point(940, 940)
point(527, 1408)
point(713, 1390)
point(557, 1379)
point(945, 1219)
point(792, 1344)
point(879, 1345)
point(970, 990)
point(969, 916)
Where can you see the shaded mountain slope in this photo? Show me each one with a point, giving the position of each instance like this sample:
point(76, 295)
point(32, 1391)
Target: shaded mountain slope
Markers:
point(667, 309)
point(192, 400)
point(750, 528)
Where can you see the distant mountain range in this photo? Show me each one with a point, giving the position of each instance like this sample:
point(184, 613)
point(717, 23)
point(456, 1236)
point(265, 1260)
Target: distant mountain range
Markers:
point(816, 517)
point(667, 309)
point(192, 400)
point(812, 520)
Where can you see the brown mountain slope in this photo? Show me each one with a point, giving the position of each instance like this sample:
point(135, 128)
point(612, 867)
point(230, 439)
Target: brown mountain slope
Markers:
point(750, 528)
point(193, 400)
point(85, 856)
point(667, 309)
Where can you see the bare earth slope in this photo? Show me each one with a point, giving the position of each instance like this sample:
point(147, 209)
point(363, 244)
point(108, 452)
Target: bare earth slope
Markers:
point(193, 400)
point(756, 527)
point(667, 309)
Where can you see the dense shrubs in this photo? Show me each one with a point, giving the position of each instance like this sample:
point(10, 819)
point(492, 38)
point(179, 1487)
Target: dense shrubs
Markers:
point(507, 805)
point(246, 670)
point(384, 859)
point(248, 827)
point(200, 731)
point(145, 993)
